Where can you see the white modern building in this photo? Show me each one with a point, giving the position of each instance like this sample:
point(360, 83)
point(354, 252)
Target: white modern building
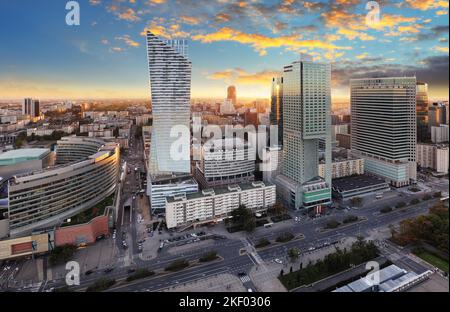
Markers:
point(170, 83)
point(306, 121)
point(227, 107)
point(162, 187)
point(72, 148)
point(216, 203)
point(225, 161)
point(343, 168)
point(383, 114)
point(45, 198)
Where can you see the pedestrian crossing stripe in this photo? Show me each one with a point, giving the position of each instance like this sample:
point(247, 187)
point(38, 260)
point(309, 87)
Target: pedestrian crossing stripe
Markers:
point(245, 279)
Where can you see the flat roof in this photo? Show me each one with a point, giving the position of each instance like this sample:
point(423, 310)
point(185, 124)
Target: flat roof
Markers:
point(223, 190)
point(356, 182)
point(21, 155)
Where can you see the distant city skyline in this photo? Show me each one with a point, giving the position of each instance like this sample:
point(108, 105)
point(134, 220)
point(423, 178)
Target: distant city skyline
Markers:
point(240, 43)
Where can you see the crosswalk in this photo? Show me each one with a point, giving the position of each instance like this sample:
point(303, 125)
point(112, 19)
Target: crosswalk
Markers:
point(245, 279)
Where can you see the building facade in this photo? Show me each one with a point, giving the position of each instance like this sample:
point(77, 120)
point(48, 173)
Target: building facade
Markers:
point(384, 126)
point(343, 168)
point(422, 111)
point(276, 108)
point(45, 199)
point(170, 83)
point(72, 148)
point(306, 121)
point(225, 161)
point(433, 156)
point(212, 204)
point(440, 134)
point(31, 107)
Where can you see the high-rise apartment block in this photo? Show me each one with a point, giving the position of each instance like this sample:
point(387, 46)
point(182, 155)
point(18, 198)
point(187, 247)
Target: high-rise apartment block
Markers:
point(306, 120)
point(384, 126)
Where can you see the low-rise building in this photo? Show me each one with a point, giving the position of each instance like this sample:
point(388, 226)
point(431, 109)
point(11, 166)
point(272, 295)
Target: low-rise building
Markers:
point(344, 167)
point(346, 188)
point(216, 203)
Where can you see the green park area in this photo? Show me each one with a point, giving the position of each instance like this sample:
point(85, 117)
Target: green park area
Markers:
point(433, 259)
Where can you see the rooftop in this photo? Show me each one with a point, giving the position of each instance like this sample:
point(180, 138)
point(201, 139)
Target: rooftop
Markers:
point(220, 190)
point(356, 182)
point(21, 155)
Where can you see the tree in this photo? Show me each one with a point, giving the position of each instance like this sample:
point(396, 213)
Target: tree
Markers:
point(243, 217)
point(332, 224)
point(293, 254)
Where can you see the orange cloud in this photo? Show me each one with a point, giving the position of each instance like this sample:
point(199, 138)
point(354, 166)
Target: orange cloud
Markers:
point(173, 31)
point(128, 40)
point(260, 42)
point(427, 4)
point(128, 15)
point(240, 76)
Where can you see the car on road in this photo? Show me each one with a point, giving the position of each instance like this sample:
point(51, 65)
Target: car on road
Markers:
point(88, 272)
point(250, 290)
point(242, 274)
point(108, 270)
point(279, 261)
point(131, 270)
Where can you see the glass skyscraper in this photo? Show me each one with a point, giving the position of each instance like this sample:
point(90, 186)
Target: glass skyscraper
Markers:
point(384, 126)
point(276, 108)
point(170, 83)
point(306, 120)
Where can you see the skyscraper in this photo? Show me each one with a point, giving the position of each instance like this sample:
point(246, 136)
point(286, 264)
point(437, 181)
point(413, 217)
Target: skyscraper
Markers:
point(306, 120)
point(276, 107)
point(231, 95)
point(31, 107)
point(384, 126)
point(170, 83)
point(422, 111)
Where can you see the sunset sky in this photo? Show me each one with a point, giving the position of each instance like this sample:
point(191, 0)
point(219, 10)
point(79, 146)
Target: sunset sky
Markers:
point(243, 43)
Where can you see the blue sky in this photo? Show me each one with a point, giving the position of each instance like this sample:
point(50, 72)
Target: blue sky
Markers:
point(230, 42)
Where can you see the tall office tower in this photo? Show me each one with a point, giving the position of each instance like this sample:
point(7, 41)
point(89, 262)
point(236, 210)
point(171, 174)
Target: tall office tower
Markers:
point(231, 95)
point(276, 108)
point(384, 126)
point(26, 106)
point(31, 107)
point(306, 120)
point(422, 111)
point(170, 83)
